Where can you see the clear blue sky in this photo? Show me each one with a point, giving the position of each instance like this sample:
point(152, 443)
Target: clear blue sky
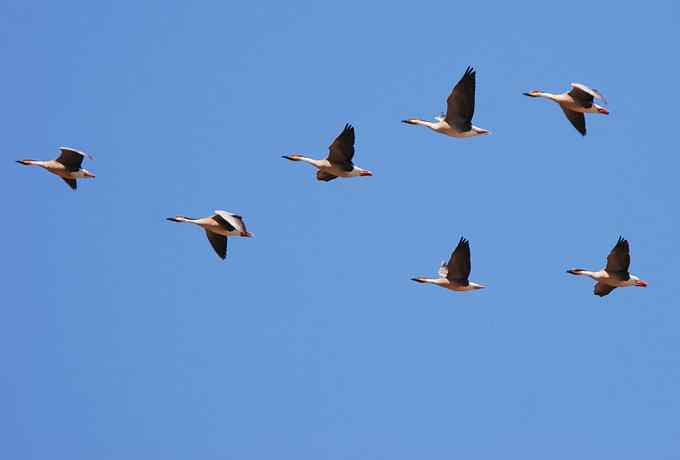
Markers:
point(123, 336)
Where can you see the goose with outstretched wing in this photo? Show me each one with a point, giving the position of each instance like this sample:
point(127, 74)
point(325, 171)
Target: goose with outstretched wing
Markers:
point(454, 274)
point(615, 274)
point(217, 228)
point(338, 163)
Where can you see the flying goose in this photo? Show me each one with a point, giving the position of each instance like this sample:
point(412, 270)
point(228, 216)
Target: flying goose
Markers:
point(615, 274)
point(575, 103)
point(67, 166)
point(338, 163)
point(217, 228)
point(454, 274)
point(460, 107)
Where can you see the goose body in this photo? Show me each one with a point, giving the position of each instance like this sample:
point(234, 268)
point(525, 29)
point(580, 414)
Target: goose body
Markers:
point(67, 166)
point(338, 163)
point(615, 274)
point(454, 274)
point(217, 228)
point(575, 103)
point(460, 108)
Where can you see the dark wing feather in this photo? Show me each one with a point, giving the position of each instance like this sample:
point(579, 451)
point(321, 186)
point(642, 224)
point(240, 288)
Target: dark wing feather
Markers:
point(459, 264)
point(71, 159)
point(584, 98)
point(341, 151)
point(324, 176)
point(71, 183)
point(461, 102)
point(618, 259)
point(218, 242)
point(577, 119)
point(602, 289)
point(223, 222)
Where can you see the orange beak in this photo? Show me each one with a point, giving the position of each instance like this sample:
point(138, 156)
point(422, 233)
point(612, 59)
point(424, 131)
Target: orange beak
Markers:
point(640, 283)
point(366, 173)
point(603, 111)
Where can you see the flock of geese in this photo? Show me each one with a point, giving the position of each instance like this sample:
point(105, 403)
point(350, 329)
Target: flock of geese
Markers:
point(457, 122)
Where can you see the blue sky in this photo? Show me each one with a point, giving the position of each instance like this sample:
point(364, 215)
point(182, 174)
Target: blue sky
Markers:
point(124, 336)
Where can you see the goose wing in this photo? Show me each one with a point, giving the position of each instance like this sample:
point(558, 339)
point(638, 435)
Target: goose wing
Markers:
point(458, 268)
point(460, 105)
point(324, 176)
point(218, 242)
point(577, 119)
point(70, 158)
point(618, 259)
point(71, 183)
point(230, 221)
point(341, 151)
point(584, 95)
point(602, 289)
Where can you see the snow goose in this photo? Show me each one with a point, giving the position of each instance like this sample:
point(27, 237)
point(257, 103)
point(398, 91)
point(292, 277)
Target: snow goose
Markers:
point(454, 274)
point(615, 274)
point(217, 228)
point(67, 166)
point(575, 103)
point(460, 107)
point(339, 160)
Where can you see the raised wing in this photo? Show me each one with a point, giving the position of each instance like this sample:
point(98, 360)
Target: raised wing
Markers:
point(618, 259)
point(324, 176)
point(458, 268)
point(230, 220)
point(460, 106)
point(71, 183)
point(341, 151)
point(218, 242)
point(584, 95)
point(70, 158)
point(602, 289)
point(577, 119)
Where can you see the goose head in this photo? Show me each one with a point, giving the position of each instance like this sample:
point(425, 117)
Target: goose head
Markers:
point(293, 157)
point(534, 93)
point(87, 174)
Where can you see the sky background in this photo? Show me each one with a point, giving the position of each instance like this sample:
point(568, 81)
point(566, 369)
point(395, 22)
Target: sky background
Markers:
point(123, 336)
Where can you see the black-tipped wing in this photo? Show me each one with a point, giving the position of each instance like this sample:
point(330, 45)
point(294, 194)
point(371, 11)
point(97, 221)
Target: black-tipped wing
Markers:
point(324, 176)
point(71, 183)
point(584, 95)
point(577, 119)
point(341, 151)
point(602, 289)
point(618, 259)
point(70, 158)
point(218, 242)
point(223, 222)
point(458, 268)
point(460, 106)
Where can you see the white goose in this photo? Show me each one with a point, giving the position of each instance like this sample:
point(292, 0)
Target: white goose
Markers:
point(615, 274)
point(575, 103)
point(217, 228)
point(454, 274)
point(460, 107)
point(67, 166)
point(339, 160)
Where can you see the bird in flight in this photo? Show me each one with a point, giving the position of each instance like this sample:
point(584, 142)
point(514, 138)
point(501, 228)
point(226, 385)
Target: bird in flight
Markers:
point(338, 163)
point(67, 166)
point(460, 107)
point(615, 274)
point(217, 228)
point(454, 274)
point(575, 104)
